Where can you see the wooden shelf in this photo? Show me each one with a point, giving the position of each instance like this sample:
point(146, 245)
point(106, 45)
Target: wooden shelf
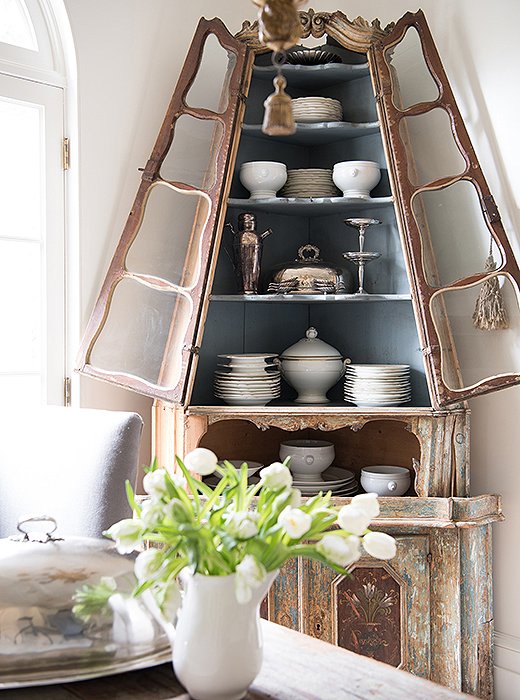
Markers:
point(310, 298)
point(321, 76)
point(312, 206)
point(318, 133)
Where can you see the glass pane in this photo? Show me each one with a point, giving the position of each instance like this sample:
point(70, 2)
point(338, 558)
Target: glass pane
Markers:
point(169, 239)
point(412, 82)
point(432, 151)
point(192, 155)
point(208, 91)
point(477, 350)
point(21, 174)
point(16, 27)
point(142, 343)
point(20, 282)
point(454, 236)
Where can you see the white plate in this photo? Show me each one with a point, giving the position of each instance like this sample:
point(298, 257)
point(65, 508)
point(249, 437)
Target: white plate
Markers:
point(245, 401)
point(349, 492)
point(378, 394)
point(247, 357)
point(377, 369)
point(332, 475)
point(239, 376)
point(247, 383)
point(378, 404)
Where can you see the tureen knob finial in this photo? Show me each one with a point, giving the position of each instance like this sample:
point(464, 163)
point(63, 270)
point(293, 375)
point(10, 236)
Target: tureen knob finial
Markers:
point(311, 333)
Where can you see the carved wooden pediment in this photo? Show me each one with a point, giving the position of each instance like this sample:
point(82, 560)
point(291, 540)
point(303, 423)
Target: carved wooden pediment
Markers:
point(356, 35)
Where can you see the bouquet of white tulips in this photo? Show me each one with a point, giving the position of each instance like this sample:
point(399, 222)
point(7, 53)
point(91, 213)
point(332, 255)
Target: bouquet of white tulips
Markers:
point(235, 528)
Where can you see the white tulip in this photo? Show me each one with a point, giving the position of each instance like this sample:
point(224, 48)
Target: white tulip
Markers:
point(154, 483)
point(152, 513)
point(147, 564)
point(179, 480)
point(201, 461)
point(276, 476)
point(339, 550)
point(368, 503)
point(379, 545)
point(250, 574)
point(168, 597)
point(127, 534)
point(242, 525)
point(296, 498)
point(353, 519)
point(295, 522)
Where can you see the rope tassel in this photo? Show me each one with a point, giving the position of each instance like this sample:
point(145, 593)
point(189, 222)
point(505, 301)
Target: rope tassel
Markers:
point(490, 313)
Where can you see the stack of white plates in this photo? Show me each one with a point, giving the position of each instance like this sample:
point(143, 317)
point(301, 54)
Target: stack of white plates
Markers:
point(340, 481)
point(377, 385)
point(317, 109)
point(309, 182)
point(247, 379)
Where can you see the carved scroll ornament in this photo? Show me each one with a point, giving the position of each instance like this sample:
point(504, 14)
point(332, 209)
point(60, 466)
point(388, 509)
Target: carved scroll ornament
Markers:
point(356, 35)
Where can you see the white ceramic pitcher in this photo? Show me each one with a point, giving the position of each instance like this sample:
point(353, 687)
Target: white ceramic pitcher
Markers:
point(217, 644)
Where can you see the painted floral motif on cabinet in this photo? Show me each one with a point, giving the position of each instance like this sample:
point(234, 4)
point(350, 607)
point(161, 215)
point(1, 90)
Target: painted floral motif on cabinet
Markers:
point(367, 606)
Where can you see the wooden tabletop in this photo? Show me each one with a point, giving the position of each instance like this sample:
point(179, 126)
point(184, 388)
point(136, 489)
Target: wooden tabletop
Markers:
point(296, 667)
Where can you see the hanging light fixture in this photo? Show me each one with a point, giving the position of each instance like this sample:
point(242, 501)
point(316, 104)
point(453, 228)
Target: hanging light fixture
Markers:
point(279, 28)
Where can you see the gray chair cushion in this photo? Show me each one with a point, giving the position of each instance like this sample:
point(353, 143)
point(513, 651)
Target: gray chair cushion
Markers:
point(69, 463)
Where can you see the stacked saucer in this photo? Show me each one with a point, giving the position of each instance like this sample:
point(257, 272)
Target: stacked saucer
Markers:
point(250, 379)
point(340, 481)
point(377, 385)
point(309, 182)
point(317, 109)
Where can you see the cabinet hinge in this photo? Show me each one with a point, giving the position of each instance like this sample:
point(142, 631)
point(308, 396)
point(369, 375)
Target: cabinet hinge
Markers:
point(383, 91)
point(67, 392)
point(65, 153)
point(490, 209)
point(431, 350)
point(194, 349)
point(429, 557)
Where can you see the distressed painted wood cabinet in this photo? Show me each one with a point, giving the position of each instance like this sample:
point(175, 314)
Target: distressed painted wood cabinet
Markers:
point(170, 304)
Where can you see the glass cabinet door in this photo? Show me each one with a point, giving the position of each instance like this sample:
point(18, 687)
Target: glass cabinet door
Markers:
point(448, 219)
point(144, 329)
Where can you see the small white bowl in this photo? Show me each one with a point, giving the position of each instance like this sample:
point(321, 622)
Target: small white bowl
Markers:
point(355, 178)
point(263, 178)
point(309, 458)
point(386, 480)
point(252, 467)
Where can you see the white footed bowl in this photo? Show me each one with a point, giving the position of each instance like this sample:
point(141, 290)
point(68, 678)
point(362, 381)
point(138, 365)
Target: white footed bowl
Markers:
point(309, 458)
point(385, 480)
point(355, 178)
point(263, 178)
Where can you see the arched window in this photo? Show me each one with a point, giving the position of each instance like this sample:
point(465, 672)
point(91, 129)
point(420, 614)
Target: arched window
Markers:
point(32, 203)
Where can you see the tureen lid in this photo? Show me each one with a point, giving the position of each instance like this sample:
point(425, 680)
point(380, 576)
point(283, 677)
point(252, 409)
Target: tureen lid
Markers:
point(310, 347)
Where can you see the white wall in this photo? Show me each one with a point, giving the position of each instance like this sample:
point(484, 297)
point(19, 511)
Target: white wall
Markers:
point(129, 56)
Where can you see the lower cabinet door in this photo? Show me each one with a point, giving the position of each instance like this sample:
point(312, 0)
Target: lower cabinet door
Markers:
point(380, 610)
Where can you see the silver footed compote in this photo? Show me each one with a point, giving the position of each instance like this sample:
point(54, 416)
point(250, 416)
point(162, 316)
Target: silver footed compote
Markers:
point(361, 258)
point(361, 224)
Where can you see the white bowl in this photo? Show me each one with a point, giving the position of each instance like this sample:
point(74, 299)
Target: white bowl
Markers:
point(355, 178)
point(308, 458)
point(386, 480)
point(252, 467)
point(263, 178)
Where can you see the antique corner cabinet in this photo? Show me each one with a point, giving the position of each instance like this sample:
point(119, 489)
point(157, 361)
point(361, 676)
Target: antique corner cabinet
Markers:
point(170, 305)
